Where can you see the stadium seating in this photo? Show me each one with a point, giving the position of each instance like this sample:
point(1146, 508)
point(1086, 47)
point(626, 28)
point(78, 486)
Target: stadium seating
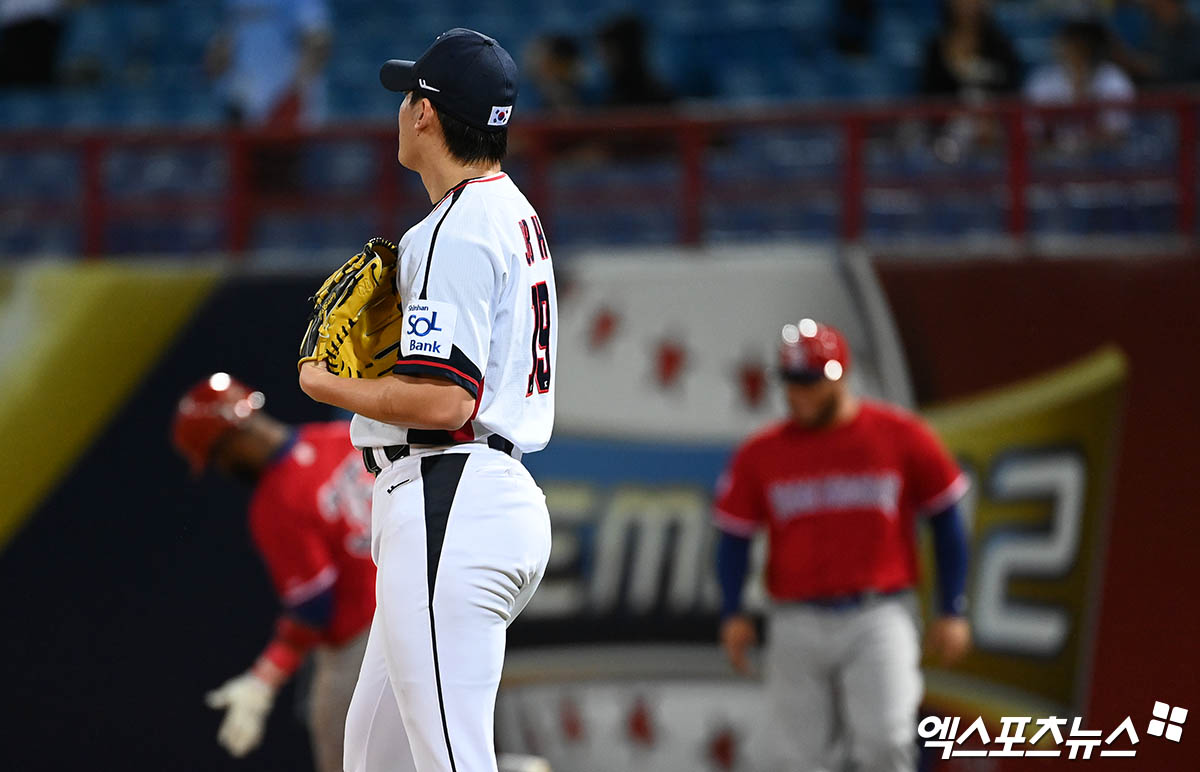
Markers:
point(751, 49)
point(148, 63)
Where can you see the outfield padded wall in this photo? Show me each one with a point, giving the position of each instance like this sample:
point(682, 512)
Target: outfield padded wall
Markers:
point(132, 589)
point(78, 338)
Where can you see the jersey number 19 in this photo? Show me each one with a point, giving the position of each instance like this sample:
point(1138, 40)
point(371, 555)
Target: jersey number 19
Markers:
point(539, 375)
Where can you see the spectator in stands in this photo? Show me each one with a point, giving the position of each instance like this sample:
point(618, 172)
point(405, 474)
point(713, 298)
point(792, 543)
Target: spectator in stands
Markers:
point(1171, 56)
point(854, 27)
point(269, 60)
point(970, 58)
point(556, 70)
point(30, 33)
point(1082, 73)
point(631, 82)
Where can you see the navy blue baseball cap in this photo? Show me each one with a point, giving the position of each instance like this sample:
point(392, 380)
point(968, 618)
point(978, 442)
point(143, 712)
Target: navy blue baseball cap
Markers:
point(465, 73)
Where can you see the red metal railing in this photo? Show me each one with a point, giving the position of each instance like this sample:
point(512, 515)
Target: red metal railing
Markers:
point(537, 142)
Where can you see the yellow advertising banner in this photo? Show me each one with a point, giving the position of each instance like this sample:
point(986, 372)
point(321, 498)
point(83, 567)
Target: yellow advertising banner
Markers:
point(79, 339)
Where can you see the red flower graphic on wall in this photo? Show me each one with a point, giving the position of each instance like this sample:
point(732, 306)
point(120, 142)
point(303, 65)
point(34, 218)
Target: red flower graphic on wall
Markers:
point(570, 719)
point(604, 326)
point(722, 748)
point(670, 359)
point(752, 382)
point(640, 724)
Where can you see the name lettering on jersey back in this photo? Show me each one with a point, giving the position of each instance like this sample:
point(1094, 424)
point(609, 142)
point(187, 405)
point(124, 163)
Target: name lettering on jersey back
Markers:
point(428, 329)
point(818, 495)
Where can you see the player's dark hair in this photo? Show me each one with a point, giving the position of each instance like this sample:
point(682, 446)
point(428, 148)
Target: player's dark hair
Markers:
point(470, 145)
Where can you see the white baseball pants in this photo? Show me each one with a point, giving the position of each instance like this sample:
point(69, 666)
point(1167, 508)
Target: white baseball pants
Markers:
point(844, 684)
point(461, 539)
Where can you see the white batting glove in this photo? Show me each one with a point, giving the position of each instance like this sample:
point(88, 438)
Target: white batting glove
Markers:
point(246, 700)
point(512, 762)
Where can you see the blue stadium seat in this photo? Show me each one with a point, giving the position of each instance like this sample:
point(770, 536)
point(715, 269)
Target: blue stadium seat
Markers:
point(1026, 20)
point(92, 108)
point(805, 14)
point(1154, 208)
point(584, 227)
point(803, 81)
point(40, 176)
point(170, 171)
point(891, 213)
point(191, 22)
point(807, 217)
point(175, 235)
point(866, 79)
point(90, 29)
point(901, 42)
point(25, 110)
point(1034, 50)
point(350, 166)
point(307, 230)
point(27, 236)
point(194, 108)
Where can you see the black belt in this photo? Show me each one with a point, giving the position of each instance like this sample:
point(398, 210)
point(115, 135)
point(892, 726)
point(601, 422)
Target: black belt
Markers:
point(847, 602)
point(394, 453)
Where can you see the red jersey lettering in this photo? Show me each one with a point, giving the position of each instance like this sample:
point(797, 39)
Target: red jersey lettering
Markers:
point(840, 504)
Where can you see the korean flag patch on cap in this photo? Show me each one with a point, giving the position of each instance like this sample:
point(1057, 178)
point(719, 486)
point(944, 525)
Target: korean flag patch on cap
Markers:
point(500, 116)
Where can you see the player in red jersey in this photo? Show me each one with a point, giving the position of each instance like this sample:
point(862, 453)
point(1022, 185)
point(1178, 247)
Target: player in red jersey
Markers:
point(310, 520)
point(839, 487)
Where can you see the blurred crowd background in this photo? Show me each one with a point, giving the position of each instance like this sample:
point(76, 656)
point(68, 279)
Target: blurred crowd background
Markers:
point(996, 201)
point(171, 62)
point(179, 69)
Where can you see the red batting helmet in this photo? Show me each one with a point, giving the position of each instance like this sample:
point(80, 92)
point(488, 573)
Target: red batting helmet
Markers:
point(209, 411)
point(811, 351)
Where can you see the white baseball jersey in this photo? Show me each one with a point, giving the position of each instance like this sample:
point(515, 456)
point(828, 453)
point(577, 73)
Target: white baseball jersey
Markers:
point(477, 288)
point(460, 533)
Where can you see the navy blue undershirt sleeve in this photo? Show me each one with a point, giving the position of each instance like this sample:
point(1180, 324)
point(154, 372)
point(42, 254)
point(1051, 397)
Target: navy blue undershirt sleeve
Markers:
point(950, 554)
point(316, 612)
point(733, 559)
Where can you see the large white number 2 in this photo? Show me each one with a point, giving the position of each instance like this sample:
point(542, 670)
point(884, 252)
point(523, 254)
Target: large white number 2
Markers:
point(999, 622)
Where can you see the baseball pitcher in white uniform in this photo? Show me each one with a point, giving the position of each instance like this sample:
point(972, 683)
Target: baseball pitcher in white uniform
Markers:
point(460, 531)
